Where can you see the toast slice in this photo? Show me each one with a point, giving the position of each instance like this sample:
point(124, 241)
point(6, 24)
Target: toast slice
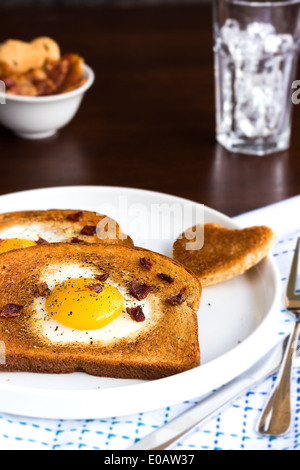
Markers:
point(163, 343)
point(226, 253)
point(56, 225)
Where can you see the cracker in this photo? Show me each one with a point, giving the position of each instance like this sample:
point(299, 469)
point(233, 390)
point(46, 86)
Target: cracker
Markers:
point(225, 253)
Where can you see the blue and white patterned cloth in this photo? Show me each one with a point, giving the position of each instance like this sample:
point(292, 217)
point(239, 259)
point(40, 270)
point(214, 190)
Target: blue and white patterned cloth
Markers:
point(231, 429)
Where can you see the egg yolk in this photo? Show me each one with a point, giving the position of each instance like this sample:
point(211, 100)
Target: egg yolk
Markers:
point(10, 244)
point(77, 304)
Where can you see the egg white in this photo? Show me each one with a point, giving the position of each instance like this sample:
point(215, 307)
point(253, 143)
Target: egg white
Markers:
point(33, 231)
point(122, 327)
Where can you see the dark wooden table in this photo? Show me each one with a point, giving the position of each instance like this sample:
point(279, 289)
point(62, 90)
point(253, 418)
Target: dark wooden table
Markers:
point(148, 122)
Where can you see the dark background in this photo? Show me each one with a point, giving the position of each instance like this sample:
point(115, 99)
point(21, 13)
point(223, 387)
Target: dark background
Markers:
point(35, 3)
point(149, 120)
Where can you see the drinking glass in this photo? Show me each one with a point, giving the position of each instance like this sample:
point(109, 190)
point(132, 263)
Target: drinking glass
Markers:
point(256, 46)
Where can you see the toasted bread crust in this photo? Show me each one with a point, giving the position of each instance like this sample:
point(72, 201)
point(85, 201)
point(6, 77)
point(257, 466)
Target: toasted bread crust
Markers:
point(225, 253)
point(56, 220)
point(168, 347)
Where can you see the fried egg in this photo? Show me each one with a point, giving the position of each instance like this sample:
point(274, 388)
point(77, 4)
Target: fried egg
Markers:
point(55, 226)
point(32, 233)
point(20, 236)
point(84, 304)
point(10, 244)
point(75, 312)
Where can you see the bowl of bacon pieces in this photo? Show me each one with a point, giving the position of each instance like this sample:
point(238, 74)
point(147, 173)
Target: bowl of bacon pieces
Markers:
point(40, 89)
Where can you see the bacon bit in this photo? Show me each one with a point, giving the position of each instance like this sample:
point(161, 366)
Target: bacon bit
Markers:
point(43, 289)
point(76, 216)
point(102, 277)
point(177, 299)
point(12, 310)
point(9, 82)
point(139, 291)
point(96, 287)
point(136, 313)
point(89, 230)
point(41, 241)
point(77, 240)
point(147, 263)
point(165, 277)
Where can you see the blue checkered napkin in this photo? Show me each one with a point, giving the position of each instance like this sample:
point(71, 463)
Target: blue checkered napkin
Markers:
point(233, 428)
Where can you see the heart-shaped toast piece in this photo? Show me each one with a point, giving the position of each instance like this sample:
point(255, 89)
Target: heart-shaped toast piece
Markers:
point(22, 56)
point(226, 253)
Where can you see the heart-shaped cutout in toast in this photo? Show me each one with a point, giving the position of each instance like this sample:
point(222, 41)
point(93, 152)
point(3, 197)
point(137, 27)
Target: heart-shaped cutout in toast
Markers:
point(226, 253)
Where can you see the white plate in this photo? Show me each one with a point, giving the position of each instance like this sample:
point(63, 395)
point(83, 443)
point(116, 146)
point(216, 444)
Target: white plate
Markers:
point(237, 319)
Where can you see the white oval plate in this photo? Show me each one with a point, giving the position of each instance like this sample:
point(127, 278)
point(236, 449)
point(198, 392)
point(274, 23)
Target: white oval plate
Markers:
point(237, 319)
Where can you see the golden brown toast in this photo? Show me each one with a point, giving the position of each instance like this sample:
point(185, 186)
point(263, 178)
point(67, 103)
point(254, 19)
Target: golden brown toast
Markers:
point(165, 342)
point(58, 225)
point(226, 253)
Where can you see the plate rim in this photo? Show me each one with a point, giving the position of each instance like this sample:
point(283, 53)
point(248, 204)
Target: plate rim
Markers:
point(31, 408)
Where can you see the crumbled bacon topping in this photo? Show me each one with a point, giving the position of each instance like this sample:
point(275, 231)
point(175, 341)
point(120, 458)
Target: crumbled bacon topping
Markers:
point(102, 277)
point(12, 310)
point(96, 288)
point(89, 230)
point(77, 240)
point(147, 263)
point(139, 291)
point(41, 241)
point(177, 299)
point(165, 277)
point(136, 313)
point(76, 216)
point(43, 289)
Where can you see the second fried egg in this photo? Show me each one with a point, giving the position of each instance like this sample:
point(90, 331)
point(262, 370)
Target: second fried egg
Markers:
point(10, 244)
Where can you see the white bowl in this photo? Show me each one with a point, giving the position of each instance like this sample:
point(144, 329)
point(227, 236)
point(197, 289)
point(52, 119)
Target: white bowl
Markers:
point(39, 117)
